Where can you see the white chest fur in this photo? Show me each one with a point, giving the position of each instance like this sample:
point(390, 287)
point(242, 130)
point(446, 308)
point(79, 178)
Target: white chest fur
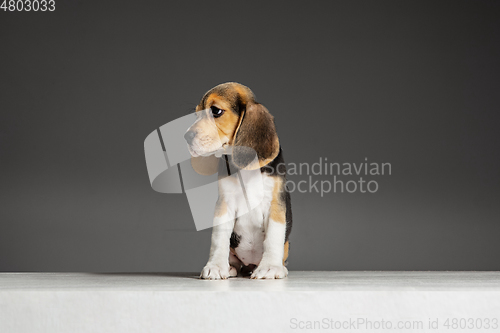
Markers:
point(250, 227)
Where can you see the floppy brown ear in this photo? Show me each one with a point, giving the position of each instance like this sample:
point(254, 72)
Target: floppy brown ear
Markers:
point(255, 135)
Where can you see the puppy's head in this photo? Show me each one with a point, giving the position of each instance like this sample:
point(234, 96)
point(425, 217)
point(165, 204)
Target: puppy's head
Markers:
point(229, 115)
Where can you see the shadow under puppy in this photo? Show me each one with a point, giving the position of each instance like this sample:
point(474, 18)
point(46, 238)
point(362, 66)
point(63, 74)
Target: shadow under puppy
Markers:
point(255, 243)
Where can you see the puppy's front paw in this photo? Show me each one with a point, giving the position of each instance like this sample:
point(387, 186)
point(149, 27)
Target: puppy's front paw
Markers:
point(214, 271)
point(265, 271)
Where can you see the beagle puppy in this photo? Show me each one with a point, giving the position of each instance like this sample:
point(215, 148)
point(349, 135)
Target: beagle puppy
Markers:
point(255, 243)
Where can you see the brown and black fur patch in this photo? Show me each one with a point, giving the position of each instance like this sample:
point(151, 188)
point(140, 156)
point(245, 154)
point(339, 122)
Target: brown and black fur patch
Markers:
point(234, 241)
point(277, 168)
point(236, 95)
point(285, 253)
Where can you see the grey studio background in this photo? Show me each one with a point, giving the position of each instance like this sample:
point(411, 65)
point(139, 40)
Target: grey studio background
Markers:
point(414, 84)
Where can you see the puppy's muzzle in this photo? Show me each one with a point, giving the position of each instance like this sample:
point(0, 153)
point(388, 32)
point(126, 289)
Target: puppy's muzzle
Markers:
point(189, 136)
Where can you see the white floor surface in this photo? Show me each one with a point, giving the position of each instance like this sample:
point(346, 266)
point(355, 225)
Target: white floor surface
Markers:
point(304, 301)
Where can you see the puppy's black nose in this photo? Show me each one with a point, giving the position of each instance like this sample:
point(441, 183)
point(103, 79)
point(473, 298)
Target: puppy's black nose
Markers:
point(189, 136)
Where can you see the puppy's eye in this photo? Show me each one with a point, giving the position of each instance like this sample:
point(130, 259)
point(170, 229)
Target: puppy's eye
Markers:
point(216, 111)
